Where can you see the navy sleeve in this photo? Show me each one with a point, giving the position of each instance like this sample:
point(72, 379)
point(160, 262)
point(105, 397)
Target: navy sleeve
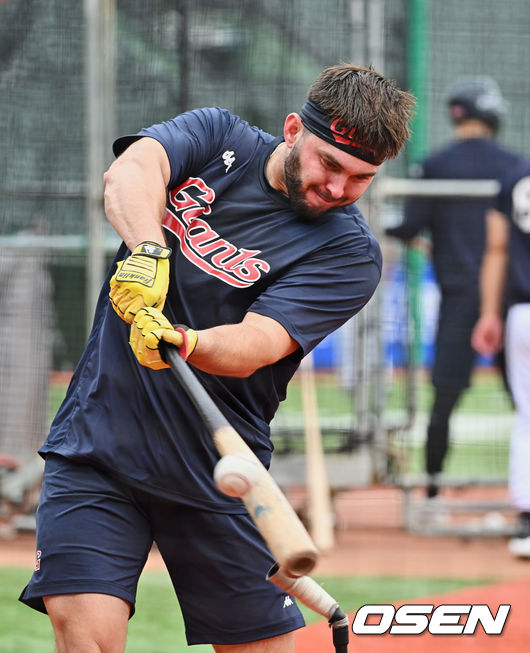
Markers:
point(190, 139)
point(318, 295)
point(503, 200)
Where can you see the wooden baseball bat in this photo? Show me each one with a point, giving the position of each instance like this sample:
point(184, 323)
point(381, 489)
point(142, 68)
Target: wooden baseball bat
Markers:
point(320, 511)
point(278, 523)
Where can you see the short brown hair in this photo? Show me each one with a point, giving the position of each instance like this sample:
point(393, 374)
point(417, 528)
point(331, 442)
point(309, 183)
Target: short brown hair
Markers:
point(369, 103)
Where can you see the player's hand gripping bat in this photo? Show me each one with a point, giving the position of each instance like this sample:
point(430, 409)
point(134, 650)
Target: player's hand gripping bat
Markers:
point(282, 530)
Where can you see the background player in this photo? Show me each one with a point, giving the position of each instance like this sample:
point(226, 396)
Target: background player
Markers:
point(505, 284)
point(456, 228)
point(255, 243)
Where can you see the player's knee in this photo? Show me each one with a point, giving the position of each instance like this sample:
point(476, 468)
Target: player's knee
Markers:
point(80, 627)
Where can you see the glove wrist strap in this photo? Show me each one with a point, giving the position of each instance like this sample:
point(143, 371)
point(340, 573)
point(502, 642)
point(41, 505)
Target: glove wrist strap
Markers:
point(152, 249)
point(189, 340)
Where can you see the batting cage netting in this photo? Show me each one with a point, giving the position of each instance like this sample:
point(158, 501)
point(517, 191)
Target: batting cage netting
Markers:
point(73, 76)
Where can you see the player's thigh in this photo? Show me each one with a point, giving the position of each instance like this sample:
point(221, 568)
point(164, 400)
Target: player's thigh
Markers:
point(281, 644)
point(218, 564)
point(82, 620)
point(92, 538)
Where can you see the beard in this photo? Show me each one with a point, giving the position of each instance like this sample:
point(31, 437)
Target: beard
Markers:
point(293, 183)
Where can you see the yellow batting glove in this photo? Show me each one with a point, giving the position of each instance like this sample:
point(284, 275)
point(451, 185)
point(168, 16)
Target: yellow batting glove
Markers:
point(149, 327)
point(140, 280)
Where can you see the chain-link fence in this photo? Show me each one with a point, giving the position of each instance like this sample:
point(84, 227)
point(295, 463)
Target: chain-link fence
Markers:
point(256, 58)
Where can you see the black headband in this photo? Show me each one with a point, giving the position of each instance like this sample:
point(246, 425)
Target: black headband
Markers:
point(335, 132)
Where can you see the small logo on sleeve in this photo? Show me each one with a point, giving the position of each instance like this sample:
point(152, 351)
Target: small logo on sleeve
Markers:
point(37, 560)
point(228, 158)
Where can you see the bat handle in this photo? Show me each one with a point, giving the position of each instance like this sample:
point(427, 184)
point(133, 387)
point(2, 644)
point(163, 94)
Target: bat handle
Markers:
point(340, 625)
point(315, 597)
point(212, 417)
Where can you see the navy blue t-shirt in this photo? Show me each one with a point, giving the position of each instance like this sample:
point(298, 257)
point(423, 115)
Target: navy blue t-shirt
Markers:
point(456, 225)
point(237, 246)
point(514, 201)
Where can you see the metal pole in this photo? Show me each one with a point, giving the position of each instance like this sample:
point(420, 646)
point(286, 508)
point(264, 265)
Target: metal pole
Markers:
point(376, 34)
point(100, 116)
point(418, 68)
point(183, 55)
point(368, 348)
point(358, 31)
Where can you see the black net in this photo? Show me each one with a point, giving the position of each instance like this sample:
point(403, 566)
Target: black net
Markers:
point(255, 57)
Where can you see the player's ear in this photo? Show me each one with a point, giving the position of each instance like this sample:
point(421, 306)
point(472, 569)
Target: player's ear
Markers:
point(292, 129)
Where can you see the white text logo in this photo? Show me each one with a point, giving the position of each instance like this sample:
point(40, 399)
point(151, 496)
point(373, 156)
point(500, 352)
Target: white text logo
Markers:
point(190, 203)
point(287, 601)
point(455, 619)
point(228, 158)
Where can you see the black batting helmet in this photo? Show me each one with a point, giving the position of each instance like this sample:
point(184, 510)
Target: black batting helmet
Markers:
point(476, 98)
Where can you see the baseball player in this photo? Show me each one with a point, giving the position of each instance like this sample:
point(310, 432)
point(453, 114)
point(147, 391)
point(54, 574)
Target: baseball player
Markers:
point(243, 250)
point(456, 228)
point(505, 284)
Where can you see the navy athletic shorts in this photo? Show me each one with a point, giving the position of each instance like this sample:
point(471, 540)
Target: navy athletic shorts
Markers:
point(94, 534)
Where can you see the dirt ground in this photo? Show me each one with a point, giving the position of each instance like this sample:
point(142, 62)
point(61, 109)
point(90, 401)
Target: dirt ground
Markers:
point(375, 551)
point(370, 541)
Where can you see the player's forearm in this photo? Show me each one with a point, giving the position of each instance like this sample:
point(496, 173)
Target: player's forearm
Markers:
point(492, 283)
point(240, 349)
point(494, 266)
point(227, 351)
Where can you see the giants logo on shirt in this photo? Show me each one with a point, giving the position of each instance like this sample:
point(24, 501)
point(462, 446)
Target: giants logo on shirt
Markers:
point(202, 245)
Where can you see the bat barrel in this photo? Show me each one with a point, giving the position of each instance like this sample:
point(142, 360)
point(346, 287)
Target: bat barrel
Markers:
point(301, 563)
point(281, 528)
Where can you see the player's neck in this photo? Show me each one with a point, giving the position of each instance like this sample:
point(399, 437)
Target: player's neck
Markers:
point(473, 129)
point(274, 171)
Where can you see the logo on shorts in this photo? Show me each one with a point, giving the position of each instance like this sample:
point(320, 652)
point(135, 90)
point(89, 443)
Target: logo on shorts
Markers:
point(37, 561)
point(287, 601)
